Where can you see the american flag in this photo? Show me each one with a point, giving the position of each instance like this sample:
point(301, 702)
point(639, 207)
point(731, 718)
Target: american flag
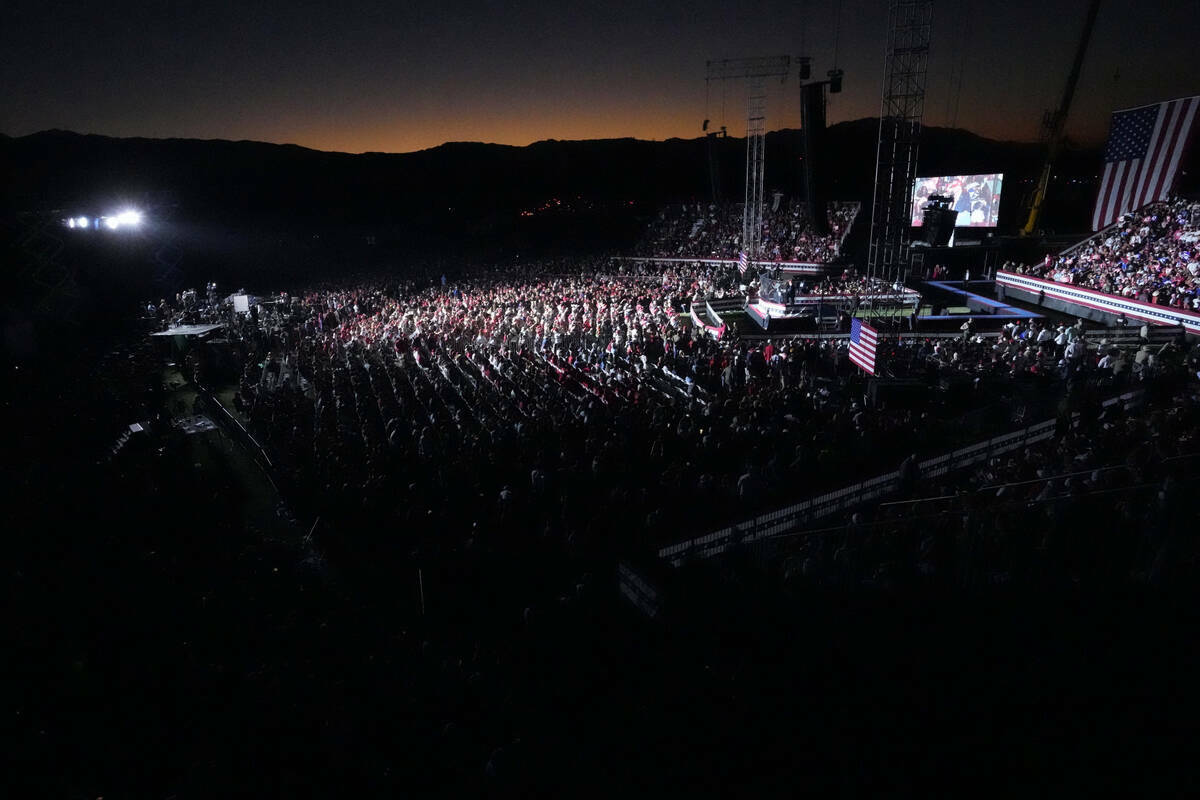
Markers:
point(1141, 159)
point(743, 262)
point(862, 345)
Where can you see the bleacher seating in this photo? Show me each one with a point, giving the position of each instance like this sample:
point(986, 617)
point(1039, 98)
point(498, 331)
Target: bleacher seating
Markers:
point(697, 230)
point(1151, 255)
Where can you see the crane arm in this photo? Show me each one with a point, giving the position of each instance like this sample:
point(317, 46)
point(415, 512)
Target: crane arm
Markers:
point(1056, 121)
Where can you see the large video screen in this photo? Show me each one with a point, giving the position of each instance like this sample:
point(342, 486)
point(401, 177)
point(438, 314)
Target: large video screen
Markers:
point(976, 198)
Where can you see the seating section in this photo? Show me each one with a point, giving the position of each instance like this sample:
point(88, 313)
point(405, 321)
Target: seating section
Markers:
point(1151, 255)
point(697, 230)
point(547, 392)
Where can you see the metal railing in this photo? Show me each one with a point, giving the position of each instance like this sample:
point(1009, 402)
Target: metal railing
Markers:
point(1093, 299)
point(716, 330)
point(257, 452)
point(787, 519)
point(1103, 232)
point(719, 304)
point(820, 335)
point(814, 268)
point(987, 538)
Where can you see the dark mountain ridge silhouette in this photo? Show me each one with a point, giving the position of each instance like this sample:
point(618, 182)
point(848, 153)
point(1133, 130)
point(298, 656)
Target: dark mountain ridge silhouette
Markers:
point(256, 183)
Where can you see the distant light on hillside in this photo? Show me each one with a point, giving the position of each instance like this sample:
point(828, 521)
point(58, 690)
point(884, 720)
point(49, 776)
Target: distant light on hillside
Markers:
point(129, 218)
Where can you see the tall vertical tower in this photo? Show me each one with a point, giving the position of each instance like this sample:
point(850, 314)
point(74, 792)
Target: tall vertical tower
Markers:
point(905, 68)
point(755, 71)
point(756, 163)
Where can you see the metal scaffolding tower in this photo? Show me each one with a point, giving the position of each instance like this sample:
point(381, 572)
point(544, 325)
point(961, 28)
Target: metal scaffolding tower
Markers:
point(714, 160)
point(756, 164)
point(906, 64)
point(755, 71)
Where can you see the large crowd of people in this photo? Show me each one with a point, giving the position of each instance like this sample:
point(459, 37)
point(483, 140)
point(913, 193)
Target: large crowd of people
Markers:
point(1151, 255)
point(543, 398)
point(514, 430)
point(714, 230)
point(1105, 500)
point(569, 404)
point(1040, 350)
point(526, 399)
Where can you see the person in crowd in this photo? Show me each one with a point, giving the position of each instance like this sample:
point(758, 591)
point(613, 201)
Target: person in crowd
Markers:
point(696, 230)
point(383, 398)
point(1151, 255)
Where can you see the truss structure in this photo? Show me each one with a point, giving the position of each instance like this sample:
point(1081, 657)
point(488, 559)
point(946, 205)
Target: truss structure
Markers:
point(756, 166)
point(755, 71)
point(714, 162)
point(906, 65)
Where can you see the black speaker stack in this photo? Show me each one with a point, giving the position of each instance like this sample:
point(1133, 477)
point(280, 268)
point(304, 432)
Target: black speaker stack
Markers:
point(937, 222)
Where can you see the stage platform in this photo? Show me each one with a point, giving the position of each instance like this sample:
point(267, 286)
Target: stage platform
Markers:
point(822, 313)
point(981, 307)
point(814, 310)
point(189, 330)
point(1080, 301)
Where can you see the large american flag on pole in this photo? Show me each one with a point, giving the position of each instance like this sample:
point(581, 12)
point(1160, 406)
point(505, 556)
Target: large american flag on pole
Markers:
point(1141, 159)
point(743, 262)
point(863, 339)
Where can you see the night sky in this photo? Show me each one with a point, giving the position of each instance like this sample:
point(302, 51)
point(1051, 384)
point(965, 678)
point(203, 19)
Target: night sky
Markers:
point(401, 76)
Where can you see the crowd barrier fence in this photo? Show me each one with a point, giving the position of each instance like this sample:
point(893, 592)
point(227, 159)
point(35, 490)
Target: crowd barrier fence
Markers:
point(231, 423)
point(1099, 301)
point(788, 519)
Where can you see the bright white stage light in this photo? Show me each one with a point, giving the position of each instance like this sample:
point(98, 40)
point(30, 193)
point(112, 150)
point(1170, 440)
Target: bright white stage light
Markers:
point(130, 217)
point(111, 222)
point(82, 222)
point(71, 222)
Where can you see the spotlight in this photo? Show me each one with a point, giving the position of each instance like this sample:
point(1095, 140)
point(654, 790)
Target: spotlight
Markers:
point(111, 223)
point(82, 222)
point(130, 217)
point(71, 222)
